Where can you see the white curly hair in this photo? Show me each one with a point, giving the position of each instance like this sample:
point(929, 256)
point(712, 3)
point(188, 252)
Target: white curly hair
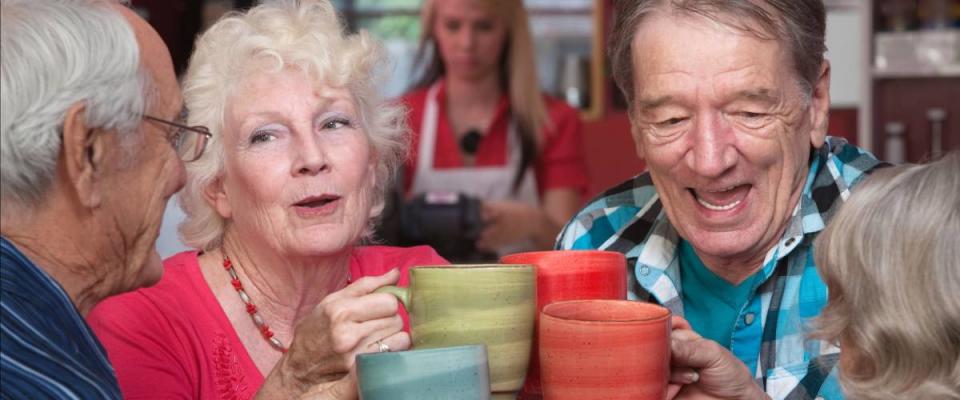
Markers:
point(305, 34)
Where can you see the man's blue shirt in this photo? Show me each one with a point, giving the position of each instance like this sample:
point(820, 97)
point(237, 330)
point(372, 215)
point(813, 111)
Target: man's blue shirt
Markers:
point(47, 350)
point(711, 304)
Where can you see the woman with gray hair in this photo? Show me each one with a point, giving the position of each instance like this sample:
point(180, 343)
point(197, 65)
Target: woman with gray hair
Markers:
point(279, 295)
point(890, 258)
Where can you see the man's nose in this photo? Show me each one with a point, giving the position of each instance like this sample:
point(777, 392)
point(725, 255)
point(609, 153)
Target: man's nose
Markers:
point(712, 151)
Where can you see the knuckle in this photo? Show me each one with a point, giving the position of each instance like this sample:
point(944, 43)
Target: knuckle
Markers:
point(343, 341)
point(396, 322)
point(336, 313)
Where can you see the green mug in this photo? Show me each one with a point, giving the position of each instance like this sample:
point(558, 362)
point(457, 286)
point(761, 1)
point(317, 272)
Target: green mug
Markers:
point(432, 374)
point(489, 304)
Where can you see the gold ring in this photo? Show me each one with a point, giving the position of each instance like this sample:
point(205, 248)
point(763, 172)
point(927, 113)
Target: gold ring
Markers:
point(383, 346)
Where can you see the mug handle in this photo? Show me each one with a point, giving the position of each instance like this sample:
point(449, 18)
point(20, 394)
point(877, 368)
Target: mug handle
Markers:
point(401, 293)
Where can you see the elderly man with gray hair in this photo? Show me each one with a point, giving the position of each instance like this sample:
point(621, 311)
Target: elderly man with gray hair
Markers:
point(728, 102)
point(90, 155)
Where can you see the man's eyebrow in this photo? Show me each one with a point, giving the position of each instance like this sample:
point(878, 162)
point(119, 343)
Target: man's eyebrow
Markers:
point(761, 95)
point(649, 104)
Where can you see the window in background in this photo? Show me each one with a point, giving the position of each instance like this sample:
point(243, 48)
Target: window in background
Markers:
point(563, 33)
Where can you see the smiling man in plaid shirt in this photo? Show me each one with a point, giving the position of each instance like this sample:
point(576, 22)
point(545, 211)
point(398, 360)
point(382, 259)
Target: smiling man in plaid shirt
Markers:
point(728, 101)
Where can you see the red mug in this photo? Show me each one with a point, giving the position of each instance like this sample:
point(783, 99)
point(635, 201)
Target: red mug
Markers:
point(604, 349)
point(569, 275)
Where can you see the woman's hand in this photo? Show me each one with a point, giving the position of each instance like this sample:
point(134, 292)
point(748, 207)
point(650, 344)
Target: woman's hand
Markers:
point(508, 222)
point(346, 323)
point(344, 388)
point(702, 369)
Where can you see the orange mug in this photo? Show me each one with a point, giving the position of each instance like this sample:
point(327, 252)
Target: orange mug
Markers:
point(569, 275)
point(604, 349)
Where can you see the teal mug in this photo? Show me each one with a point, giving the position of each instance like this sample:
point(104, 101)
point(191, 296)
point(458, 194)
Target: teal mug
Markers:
point(442, 373)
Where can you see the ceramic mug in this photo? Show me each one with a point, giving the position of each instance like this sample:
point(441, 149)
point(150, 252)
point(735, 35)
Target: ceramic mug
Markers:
point(490, 304)
point(569, 275)
point(445, 373)
point(604, 349)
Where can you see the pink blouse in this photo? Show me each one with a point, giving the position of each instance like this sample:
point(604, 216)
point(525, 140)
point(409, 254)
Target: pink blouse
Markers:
point(173, 341)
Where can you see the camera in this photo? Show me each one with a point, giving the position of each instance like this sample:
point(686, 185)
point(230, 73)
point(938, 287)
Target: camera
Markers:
point(449, 222)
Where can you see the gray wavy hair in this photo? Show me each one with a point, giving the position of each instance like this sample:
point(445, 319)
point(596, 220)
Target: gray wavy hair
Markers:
point(799, 24)
point(52, 57)
point(301, 33)
point(890, 258)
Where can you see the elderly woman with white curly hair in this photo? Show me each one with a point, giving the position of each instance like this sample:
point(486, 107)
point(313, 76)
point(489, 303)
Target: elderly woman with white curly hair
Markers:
point(279, 298)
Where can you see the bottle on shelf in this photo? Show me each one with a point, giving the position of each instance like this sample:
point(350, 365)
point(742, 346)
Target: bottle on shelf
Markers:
point(896, 146)
point(936, 116)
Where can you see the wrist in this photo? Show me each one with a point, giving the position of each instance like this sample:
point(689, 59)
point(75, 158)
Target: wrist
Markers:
point(280, 383)
point(755, 392)
point(542, 228)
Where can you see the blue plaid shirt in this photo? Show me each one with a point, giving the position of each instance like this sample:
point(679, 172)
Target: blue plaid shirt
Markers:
point(770, 331)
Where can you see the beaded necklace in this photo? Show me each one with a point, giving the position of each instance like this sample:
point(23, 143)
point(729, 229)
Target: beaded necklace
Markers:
point(252, 309)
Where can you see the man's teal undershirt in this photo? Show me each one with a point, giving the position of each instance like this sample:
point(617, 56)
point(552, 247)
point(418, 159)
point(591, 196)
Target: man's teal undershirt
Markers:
point(710, 303)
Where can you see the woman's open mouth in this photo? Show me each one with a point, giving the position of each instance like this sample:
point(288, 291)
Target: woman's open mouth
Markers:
point(317, 205)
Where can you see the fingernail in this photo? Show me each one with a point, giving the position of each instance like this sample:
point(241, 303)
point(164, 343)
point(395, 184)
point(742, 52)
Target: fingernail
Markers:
point(691, 376)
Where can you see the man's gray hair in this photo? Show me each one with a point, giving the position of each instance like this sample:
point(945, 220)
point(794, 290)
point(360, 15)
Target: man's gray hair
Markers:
point(800, 25)
point(54, 54)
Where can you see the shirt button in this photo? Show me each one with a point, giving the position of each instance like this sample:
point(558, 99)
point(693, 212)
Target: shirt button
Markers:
point(748, 319)
point(644, 270)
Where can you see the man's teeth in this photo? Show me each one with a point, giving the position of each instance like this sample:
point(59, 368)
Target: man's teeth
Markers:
point(722, 190)
point(716, 207)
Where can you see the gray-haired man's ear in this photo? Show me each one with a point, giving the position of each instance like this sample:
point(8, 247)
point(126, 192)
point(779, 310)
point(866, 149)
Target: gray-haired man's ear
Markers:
point(820, 106)
point(81, 157)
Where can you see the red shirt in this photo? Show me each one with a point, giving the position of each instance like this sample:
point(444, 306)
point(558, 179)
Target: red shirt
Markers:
point(560, 164)
point(173, 340)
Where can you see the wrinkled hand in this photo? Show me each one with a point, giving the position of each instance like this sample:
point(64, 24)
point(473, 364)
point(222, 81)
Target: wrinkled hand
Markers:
point(702, 369)
point(507, 222)
point(344, 388)
point(345, 323)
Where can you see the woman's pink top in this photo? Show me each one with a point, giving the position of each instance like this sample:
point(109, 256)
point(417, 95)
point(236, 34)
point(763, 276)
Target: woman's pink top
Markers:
point(173, 341)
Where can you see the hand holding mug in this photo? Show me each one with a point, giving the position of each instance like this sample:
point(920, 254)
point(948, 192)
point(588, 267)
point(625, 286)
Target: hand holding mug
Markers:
point(348, 322)
point(702, 369)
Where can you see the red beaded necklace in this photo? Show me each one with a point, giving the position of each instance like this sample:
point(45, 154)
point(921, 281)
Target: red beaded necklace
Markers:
point(252, 309)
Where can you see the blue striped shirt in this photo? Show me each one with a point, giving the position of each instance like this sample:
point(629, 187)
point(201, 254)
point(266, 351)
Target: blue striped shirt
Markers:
point(770, 331)
point(47, 350)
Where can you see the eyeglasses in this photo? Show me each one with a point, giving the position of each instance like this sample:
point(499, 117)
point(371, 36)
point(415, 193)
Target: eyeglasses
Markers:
point(188, 141)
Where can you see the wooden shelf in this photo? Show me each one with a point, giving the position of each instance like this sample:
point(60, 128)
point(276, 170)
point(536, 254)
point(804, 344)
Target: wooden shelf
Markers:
point(883, 74)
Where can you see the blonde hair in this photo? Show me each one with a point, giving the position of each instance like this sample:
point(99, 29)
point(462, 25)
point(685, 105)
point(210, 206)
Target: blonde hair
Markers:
point(305, 34)
point(518, 71)
point(892, 262)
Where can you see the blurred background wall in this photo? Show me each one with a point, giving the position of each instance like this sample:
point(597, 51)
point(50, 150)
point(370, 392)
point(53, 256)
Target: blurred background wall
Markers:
point(895, 71)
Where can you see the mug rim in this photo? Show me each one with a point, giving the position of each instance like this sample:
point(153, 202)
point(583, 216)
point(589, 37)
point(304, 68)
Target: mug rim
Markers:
point(541, 253)
point(404, 353)
point(667, 314)
point(487, 266)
